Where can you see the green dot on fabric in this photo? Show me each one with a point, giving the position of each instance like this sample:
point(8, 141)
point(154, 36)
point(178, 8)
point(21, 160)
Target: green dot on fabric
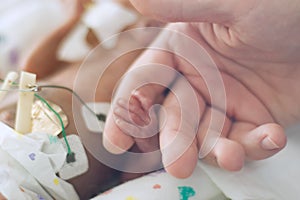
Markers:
point(186, 192)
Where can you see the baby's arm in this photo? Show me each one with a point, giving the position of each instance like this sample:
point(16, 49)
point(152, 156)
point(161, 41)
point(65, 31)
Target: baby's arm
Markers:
point(2, 197)
point(42, 60)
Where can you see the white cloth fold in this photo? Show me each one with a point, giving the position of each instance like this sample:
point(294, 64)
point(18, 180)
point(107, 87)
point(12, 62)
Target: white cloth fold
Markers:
point(276, 178)
point(29, 164)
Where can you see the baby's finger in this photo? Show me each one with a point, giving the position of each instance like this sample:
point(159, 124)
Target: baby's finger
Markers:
point(145, 139)
point(137, 131)
point(121, 111)
point(130, 124)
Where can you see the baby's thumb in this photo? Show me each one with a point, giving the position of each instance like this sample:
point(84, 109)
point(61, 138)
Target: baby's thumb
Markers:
point(215, 11)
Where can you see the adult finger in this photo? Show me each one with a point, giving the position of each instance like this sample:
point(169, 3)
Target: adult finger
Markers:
point(150, 69)
point(215, 148)
point(259, 142)
point(114, 139)
point(179, 121)
point(216, 11)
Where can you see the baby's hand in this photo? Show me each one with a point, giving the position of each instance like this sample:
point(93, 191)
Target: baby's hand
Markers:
point(133, 120)
point(136, 117)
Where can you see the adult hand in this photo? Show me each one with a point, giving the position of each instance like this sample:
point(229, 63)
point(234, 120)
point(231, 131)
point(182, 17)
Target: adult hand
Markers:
point(255, 47)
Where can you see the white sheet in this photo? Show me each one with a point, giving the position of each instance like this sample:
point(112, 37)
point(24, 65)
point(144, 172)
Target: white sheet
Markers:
point(29, 164)
point(276, 178)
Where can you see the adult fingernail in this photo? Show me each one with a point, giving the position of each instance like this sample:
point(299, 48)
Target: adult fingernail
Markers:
point(117, 111)
point(121, 102)
point(117, 147)
point(111, 147)
point(146, 119)
point(269, 144)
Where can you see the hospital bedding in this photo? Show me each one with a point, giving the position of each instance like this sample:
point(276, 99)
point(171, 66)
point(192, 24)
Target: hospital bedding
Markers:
point(274, 178)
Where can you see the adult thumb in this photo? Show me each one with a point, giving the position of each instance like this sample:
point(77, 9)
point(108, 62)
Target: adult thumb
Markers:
point(214, 11)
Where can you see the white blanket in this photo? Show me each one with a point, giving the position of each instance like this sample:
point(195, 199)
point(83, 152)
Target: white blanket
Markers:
point(276, 178)
point(29, 164)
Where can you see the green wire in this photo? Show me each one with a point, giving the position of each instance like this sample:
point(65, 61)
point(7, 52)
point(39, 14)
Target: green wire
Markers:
point(100, 117)
point(61, 122)
point(57, 115)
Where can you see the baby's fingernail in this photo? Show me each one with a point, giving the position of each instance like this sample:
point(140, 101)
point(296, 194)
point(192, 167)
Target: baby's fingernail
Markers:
point(269, 144)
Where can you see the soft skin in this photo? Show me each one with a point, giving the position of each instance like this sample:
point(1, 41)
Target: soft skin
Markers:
point(255, 46)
